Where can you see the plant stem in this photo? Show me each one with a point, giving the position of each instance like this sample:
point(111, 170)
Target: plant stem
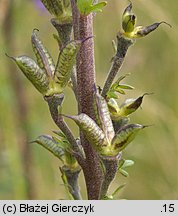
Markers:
point(111, 167)
point(54, 102)
point(86, 82)
point(122, 46)
point(72, 181)
point(64, 30)
point(75, 15)
point(74, 82)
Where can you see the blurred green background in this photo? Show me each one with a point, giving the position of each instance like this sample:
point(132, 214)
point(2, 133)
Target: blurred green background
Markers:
point(29, 171)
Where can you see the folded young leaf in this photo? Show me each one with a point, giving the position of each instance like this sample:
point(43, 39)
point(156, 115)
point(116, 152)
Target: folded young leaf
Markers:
point(61, 138)
point(43, 57)
point(58, 149)
point(124, 136)
point(141, 31)
point(113, 107)
point(103, 116)
point(131, 105)
point(66, 62)
point(119, 122)
point(60, 134)
point(33, 72)
point(91, 130)
point(128, 19)
point(118, 88)
point(55, 7)
point(128, 25)
point(51, 145)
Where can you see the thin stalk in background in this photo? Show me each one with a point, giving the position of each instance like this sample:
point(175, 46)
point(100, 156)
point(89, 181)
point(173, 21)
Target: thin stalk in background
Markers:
point(21, 106)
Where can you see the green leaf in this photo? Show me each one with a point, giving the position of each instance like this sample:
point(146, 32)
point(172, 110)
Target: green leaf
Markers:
point(119, 90)
point(125, 135)
point(125, 86)
point(121, 163)
point(117, 191)
point(122, 77)
point(131, 105)
point(128, 163)
point(129, 23)
point(60, 134)
point(63, 139)
point(70, 160)
point(108, 197)
point(63, 144)
point(43, 56)
point(97, 7)
point(33, 73)
point(112, 94)
point(55, 7)
point(124, 173)
point(56, 148)
point(66, 61)
point(119, 122)
point(117, 87)
point(113, 106)
point(86, 6)
point(91, 130)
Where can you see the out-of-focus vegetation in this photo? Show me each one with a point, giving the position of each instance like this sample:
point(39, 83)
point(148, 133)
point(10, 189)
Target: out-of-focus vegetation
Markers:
point(30, 171)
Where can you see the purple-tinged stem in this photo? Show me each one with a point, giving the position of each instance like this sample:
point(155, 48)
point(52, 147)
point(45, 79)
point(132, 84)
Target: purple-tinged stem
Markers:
point(83, 28)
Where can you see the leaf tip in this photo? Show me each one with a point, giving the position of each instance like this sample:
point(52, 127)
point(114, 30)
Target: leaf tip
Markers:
point(163, 22)
point(11, 57)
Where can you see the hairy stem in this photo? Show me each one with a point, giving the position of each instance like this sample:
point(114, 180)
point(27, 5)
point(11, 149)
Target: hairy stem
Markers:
point(83, 28)
point(111, 167)
point(54, 102)
point(75, 15)
point(122, 46)
point(72, 181)
point(64, 30)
